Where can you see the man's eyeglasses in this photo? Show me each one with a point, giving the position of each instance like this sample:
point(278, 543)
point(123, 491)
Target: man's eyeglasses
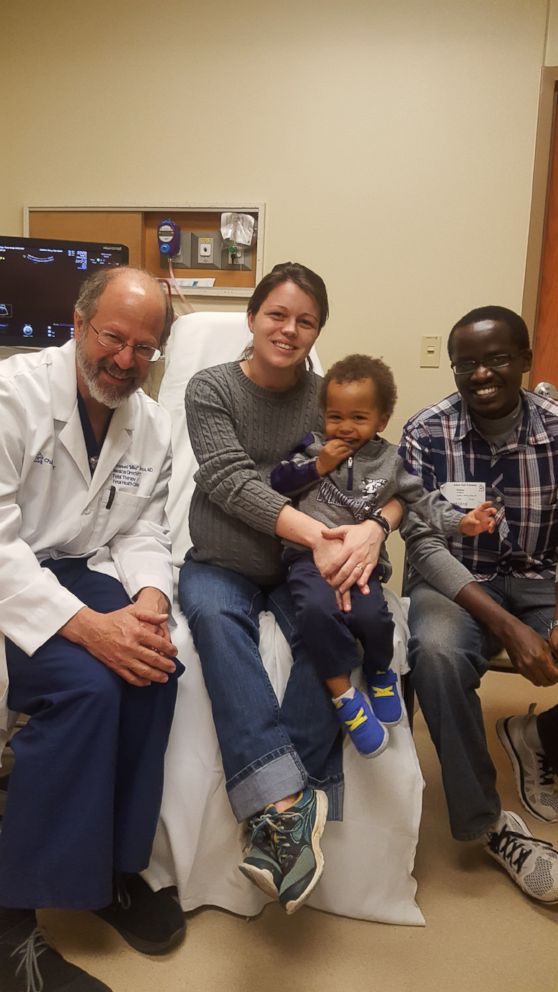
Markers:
point(114, 343)
point(468, 365)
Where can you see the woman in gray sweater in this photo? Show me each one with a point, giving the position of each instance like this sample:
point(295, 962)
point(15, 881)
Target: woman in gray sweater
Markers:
point(282, 762)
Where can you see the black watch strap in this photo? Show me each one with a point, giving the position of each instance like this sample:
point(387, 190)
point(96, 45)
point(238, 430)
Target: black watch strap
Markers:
point(382, 521)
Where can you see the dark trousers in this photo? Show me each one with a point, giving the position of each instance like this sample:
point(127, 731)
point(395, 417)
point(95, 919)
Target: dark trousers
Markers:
point(448, 655)
point(85, 791)
point(547, 726)
point(329, 634)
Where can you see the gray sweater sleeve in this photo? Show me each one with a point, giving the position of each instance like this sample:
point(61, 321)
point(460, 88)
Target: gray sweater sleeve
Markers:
point(431, 559)
point(431, 507)
point(428, 553)
point(226, 473)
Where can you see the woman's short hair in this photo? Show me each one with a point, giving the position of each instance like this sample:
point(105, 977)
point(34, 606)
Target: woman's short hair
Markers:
point(354, 368)
point(306, 280)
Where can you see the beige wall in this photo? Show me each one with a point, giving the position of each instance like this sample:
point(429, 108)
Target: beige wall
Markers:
point(392, 142)
point(551, 51)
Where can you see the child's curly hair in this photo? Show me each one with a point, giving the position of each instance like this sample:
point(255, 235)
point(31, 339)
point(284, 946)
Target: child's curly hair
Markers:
point(356, 367)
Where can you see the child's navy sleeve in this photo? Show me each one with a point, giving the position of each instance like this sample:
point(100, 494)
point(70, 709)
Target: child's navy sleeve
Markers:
point(296, 472)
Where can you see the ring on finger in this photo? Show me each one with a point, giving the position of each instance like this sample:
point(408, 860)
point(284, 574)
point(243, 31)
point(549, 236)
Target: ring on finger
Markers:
point(359, 568)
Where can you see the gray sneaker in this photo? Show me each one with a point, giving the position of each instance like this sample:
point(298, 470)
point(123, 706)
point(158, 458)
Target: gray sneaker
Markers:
point(260, 864)
point(531, 863)
point(534, 777)
point(297, 840)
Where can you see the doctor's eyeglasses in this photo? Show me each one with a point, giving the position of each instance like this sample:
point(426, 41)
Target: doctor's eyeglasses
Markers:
point(114, 343)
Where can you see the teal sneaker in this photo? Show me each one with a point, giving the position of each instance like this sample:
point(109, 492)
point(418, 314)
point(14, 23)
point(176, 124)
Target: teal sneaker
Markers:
point(384, 697)
point(297, 833)
point(260, 864)
point(362, 725)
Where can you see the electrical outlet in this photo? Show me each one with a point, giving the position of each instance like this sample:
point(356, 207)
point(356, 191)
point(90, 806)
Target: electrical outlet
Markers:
point(205, 250)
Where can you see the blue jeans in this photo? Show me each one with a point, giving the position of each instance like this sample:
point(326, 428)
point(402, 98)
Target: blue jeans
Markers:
point(269, 751)
point(448, 655)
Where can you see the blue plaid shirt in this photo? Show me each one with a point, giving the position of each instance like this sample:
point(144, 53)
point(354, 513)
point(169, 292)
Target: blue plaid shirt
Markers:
point(440, 444)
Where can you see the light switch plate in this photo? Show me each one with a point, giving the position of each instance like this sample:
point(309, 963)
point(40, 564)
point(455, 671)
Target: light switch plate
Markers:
point(430, 352)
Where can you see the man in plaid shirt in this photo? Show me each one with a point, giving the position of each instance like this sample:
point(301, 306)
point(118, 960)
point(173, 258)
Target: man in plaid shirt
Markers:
point(470, 596)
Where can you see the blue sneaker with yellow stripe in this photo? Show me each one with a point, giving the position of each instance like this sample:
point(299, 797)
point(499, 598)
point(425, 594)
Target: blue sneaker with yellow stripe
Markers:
point(364, 729)
point(384, 697)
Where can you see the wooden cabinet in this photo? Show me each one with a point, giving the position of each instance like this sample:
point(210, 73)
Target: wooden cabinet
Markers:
point(136, 227)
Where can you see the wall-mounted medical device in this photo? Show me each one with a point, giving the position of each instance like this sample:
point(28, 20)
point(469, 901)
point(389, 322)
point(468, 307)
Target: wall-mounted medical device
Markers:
point(168, 237)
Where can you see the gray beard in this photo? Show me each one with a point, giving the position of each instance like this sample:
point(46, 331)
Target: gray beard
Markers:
point(110, 397)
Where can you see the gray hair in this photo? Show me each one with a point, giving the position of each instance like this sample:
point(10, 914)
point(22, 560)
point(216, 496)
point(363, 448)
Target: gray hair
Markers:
point(94, 286)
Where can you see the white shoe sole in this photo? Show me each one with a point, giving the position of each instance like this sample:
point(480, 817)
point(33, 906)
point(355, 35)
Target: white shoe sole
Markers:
point(379, 749)
point(321, 817)
point(260, 877)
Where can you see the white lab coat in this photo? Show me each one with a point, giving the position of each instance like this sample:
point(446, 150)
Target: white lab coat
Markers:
point(51, 507)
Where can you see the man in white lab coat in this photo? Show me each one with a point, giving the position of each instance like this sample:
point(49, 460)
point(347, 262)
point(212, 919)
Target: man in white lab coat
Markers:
point(85, 589)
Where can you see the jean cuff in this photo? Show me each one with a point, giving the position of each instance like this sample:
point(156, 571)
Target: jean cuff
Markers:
point(280, 777)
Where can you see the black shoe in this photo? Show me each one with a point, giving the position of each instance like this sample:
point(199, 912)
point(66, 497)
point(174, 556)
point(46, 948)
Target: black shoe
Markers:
point(29, 964)
point(150, 922)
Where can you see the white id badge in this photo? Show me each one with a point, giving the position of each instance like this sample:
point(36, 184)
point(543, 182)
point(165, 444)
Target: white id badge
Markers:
point(465, 494)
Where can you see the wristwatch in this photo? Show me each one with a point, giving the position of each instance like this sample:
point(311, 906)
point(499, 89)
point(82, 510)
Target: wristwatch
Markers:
point(552, 625)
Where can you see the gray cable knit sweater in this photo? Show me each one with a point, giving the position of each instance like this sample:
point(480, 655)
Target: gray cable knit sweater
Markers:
point(239, 431)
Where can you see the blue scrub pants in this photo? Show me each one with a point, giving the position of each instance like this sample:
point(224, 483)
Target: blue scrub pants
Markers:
point(85, 791)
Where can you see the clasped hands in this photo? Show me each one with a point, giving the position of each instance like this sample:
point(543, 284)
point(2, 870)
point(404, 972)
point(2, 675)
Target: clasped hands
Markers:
point(347, 556)
point(134, 642)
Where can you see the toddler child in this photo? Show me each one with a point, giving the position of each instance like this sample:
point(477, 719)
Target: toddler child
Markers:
point(343, 477)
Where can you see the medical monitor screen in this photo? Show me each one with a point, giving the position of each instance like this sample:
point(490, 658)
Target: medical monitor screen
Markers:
point(40, 281)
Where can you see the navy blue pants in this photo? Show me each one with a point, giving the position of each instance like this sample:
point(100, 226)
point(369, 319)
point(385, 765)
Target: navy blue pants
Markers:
point(85, 791)
point(329, 634)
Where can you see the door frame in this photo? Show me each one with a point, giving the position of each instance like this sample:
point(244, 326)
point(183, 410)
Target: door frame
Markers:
point(546, 121)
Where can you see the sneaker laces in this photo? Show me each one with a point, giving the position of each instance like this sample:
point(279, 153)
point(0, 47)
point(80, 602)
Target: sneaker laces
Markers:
point(282, 835)
point(514, 847)
point(259, 824)
point(546, 773)
point(278, 832)
point(262, 829)
point(30, 951)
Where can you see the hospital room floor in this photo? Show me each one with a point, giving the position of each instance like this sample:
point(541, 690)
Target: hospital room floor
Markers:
point(481, 933)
